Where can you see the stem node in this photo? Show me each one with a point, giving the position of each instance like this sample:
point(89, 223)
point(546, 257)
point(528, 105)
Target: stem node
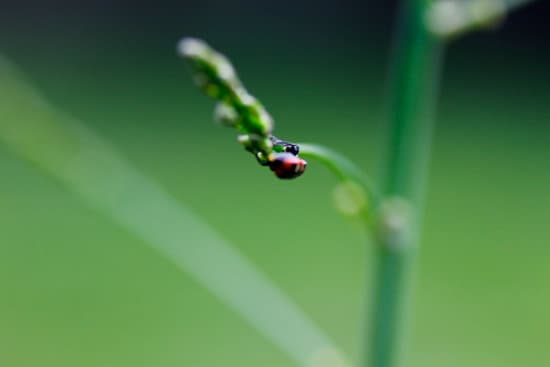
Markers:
point(395, 224)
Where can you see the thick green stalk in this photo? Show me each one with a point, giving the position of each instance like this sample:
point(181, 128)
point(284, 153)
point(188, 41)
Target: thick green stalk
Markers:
point(415, 77)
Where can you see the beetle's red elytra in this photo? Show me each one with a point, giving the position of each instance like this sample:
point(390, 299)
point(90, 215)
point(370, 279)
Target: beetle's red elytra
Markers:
point(286, 165)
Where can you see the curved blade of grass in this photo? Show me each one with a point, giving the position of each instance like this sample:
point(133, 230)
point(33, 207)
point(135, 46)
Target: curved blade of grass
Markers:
point(68, 151)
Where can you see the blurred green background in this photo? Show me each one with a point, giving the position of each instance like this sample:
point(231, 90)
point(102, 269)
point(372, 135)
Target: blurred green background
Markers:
point(76, 290)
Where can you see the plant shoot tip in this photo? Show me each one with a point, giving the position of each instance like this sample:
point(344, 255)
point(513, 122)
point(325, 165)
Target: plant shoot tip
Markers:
point(192, 47)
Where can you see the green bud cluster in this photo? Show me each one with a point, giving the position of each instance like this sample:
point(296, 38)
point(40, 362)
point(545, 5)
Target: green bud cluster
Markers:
point(216, 77)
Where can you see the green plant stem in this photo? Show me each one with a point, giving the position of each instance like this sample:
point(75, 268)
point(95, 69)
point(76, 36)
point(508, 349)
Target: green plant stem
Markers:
point(415, 77)
point(341, 167)
point(355, 187)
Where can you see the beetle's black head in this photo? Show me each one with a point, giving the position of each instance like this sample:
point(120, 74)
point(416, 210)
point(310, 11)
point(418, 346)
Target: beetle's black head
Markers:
point(284, 146)
point(293, 149)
